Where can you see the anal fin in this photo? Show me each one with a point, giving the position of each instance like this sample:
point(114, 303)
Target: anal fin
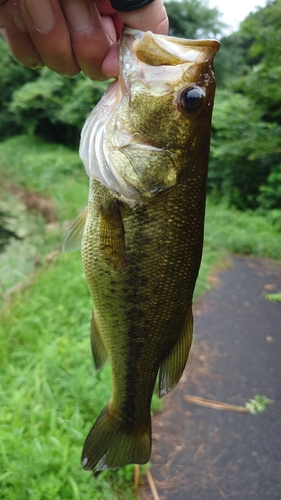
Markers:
point(173, 365)
point(99, 351)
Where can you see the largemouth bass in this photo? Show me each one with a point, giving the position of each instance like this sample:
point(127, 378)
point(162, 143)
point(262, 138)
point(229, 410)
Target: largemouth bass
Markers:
point(145, 148)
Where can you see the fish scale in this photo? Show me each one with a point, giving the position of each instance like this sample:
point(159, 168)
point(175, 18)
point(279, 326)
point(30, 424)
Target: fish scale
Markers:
point(148, 294)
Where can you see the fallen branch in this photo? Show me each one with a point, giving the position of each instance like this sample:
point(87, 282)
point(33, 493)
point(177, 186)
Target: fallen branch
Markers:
point(136, 479)
point(151, 484)
point(215, 481)
point(216, 405)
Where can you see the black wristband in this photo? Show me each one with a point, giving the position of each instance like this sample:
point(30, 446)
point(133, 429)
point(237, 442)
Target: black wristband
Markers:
point(129, 5)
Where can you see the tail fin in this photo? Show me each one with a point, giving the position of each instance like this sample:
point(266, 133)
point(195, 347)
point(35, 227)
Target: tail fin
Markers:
point(109, 446)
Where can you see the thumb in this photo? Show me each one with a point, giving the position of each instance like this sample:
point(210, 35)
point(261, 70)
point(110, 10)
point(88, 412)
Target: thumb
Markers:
point(153, 18)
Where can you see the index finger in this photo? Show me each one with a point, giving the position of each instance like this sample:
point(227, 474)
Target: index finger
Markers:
point(47, 28)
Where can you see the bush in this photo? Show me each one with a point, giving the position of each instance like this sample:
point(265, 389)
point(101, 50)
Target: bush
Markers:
point(55, 106)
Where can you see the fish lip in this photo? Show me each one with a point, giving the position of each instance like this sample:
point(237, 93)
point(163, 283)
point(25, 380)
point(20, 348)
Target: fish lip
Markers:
point(172, 50)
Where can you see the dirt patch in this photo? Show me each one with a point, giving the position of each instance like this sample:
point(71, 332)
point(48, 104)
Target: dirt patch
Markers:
point(36, 203)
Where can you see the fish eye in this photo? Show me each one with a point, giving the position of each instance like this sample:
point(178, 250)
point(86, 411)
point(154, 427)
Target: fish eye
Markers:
point(191, 99)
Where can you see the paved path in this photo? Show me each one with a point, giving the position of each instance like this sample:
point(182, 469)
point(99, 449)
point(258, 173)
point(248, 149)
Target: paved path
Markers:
point(205, 454)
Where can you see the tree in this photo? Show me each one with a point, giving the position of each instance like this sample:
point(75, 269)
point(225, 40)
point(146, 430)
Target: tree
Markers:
point(193, 19)
point(43, 102)
point(262, 81)
point(55, 106)
point(246, 148)
point(12, 76)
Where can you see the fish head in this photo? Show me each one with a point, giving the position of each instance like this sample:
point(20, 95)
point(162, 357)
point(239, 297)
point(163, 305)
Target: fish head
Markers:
point(169, 83)
point(154, 122)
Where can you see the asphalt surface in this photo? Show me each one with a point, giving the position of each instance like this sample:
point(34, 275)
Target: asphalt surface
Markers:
point(201, 453)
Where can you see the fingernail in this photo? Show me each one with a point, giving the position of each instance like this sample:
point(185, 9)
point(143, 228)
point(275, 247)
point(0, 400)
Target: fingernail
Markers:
point(41, 14)
point(18, 22)
point(77, 14)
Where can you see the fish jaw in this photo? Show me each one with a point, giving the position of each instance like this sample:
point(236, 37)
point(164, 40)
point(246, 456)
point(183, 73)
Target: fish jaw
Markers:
point(152, 55)
point(127, 123)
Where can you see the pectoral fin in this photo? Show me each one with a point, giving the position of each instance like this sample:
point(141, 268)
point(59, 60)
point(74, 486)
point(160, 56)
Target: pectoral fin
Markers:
point(98, 348)
point(73, 237)
point(172, 367)
point(112, 237)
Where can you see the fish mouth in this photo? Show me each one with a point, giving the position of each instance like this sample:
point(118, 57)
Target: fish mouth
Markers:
point(163, 50)
point(161, 60)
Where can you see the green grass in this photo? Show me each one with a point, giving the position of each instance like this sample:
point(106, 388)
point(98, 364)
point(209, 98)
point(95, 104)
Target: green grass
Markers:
point(273, 297)
point(50, 393)
point(228, 230)
point(242, 232)
point(55, 172)
point(50, 169)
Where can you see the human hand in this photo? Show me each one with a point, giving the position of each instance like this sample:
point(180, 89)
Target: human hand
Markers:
point(73, 35)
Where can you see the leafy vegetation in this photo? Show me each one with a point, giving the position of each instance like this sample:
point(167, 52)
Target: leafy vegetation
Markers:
point(245, 154)
point(246, 149)
point(193, 19)
point(44, 167)
point(258, 404)
point(273, 297)
point(51, 171)
point(43, 102)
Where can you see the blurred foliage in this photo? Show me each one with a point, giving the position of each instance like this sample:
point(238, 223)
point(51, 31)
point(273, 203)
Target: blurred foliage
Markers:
point(55, 106)
point(258, 404)
point(262, 31)
point(270, 193)
point(246, 232)
point(42, 186)
point(12, 76)
point(245, 161)
point(245, 151)
point(273, 297)
point(37, 164)
point(193, 19)
point(43, 102)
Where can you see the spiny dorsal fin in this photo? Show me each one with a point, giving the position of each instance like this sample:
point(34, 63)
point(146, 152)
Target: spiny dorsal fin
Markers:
point(73, 237)
point(173, 365)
